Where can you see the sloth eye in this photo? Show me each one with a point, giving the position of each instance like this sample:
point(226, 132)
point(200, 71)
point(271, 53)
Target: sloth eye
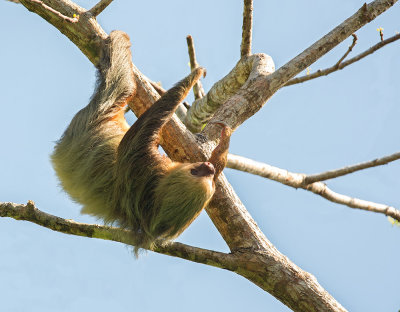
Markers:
point(194, 172)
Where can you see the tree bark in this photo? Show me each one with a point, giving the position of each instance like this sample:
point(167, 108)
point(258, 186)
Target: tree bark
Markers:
point(255, 257)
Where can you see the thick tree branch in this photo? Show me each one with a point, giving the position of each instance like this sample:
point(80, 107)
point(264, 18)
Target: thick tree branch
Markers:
point(197, 88)
point(341, 65)
point(245, 47)
point(257, 91)
point(87, 34)
point(265, 266)
point(50, 9)
point(99, 7)
point(253, 265)
point(246, 69)
point(298, 180)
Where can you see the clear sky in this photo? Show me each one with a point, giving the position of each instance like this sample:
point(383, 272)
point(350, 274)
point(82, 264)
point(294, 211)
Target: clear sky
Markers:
point(345, 118)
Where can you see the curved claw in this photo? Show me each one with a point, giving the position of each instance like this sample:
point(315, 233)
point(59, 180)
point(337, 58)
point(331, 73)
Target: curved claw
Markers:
point(219, 155)
point(226, 131)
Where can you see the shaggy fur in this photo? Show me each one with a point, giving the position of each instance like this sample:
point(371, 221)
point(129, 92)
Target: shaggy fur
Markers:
point(116, 172)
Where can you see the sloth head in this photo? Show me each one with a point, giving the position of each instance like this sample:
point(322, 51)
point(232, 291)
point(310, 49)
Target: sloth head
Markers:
point(180, 196)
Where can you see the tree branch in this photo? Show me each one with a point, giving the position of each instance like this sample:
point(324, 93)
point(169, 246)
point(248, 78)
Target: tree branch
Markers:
point(197, 88)
point(336, 67)
point(350, 169)
point(257, 91)
point(298, 180)
point(245, 47)
point(265, 265)
point(380, 30)
point(348, 50)
point(87, 35)
point(253, 265)
point(99, 7)
point(31, 213)
point(246, 69)
point(74, 19)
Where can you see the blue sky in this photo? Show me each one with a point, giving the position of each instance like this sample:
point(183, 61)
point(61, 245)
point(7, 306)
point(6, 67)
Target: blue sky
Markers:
point(345, 118)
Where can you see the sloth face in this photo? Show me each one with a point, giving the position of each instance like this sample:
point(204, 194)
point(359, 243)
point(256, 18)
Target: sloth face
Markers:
point(204, 169)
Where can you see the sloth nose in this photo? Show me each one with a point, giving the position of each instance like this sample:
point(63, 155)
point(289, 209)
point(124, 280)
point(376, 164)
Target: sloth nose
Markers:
point(205, 169)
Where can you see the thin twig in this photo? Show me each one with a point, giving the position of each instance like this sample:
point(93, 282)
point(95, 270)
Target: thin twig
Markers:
point(348, 50)
point(349, 169)
point(297, 180)
point(380, 29)
point(74, 19)
point(197, 88)
point(99, 7)
point(300, 292)
point(322, 190)
point(327, 71)
point(245, 47)
point(31, 213)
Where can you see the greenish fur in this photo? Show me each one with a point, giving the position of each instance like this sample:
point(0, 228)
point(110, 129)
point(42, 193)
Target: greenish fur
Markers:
point(118, 175)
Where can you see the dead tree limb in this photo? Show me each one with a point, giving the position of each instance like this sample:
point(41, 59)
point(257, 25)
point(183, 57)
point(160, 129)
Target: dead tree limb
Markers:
point(264, 265)
point(340, 65)
point(299, 180)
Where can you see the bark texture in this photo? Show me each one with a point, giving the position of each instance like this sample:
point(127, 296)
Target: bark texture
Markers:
point(252, 254)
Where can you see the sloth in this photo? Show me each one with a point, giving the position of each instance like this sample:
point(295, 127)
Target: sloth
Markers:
point(117, 173)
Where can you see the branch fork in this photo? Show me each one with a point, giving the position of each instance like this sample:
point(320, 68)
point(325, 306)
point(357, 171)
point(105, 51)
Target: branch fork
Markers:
point(262, 264)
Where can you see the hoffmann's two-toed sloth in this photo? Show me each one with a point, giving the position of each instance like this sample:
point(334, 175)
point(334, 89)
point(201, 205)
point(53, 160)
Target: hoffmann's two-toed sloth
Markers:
point(117, 173)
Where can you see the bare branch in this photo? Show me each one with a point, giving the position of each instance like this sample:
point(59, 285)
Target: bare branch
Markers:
point(197, 88)
point(321, 189)
point(245, 47)
point(349, 169)
point(247, 101)
point(336, 67)
point(253, 265)
point(348, 50)
point(265, 265)
point(246, 69)
point(78, 33)
point(160, 90)
point(74, 19)
point(298, 180)
point(31, 213)
point(99, 7)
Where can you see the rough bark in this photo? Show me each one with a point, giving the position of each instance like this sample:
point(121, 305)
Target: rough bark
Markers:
point(255, 257)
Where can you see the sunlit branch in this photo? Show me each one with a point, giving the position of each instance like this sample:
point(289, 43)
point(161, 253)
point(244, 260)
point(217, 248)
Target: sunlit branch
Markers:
point(297, 180)
point(99, 7)
point(74, 19)
point(245, 47)
point(349, 169)
point(336, 67)
point(348, 50)
point(197, 88)
point(30, 213)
